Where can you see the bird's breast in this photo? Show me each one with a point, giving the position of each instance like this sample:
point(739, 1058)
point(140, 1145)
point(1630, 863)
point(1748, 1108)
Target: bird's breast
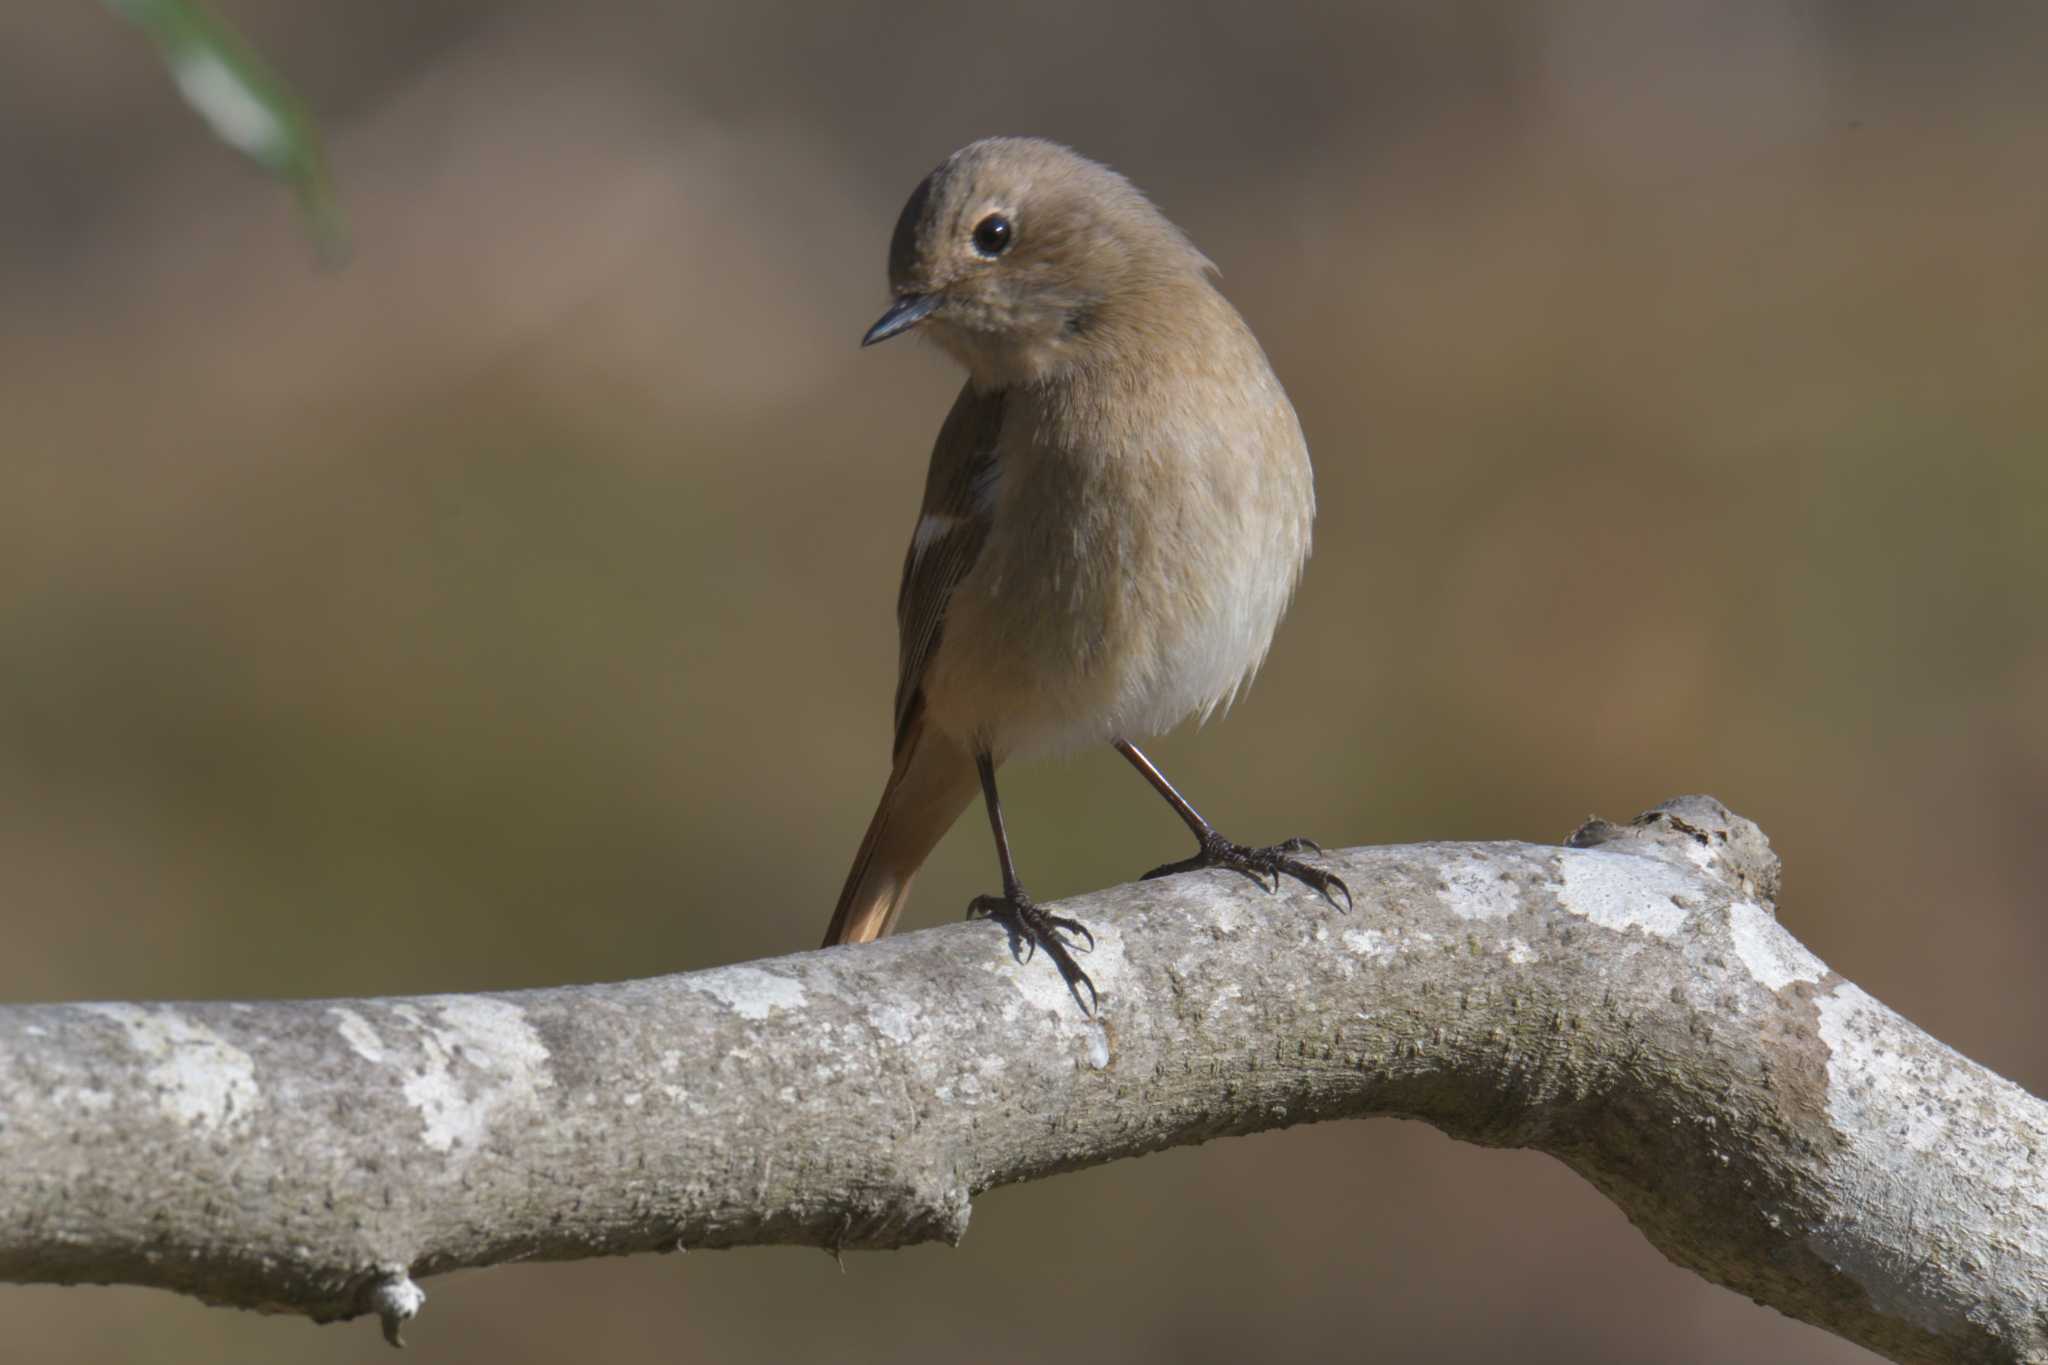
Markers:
point(1142, 549)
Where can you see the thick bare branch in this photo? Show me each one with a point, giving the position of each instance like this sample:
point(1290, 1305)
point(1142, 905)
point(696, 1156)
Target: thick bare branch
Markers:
point(1628, 1004)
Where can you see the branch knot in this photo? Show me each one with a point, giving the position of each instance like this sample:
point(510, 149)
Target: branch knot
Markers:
point(1696, 832)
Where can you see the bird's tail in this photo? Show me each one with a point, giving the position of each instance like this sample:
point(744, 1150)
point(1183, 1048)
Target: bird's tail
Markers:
point(932, 782)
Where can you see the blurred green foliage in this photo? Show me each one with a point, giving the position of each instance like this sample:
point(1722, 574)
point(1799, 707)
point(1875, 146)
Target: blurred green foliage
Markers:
point(247, 105)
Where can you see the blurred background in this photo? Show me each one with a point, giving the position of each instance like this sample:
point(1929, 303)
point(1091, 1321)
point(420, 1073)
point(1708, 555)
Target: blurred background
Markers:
point(513, 606)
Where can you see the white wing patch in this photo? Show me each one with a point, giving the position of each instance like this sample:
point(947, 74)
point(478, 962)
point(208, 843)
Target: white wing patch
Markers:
point(985, 485)
point(933, 526)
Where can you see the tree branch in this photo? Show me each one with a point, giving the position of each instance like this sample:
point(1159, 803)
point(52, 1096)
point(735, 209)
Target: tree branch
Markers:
point(1627, 1004)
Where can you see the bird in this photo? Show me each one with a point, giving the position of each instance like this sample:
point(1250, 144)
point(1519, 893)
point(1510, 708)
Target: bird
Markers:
point(1116, 515)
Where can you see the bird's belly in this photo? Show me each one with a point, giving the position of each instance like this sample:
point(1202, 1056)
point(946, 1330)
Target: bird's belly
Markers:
point(1055, 644)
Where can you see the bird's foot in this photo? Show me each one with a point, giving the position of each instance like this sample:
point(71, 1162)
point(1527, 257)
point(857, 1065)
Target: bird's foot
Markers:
point(1261, 863)
point(1035, 928)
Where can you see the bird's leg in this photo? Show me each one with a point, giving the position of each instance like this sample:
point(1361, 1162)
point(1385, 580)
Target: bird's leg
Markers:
point(1018, 912)
point(1217, 851)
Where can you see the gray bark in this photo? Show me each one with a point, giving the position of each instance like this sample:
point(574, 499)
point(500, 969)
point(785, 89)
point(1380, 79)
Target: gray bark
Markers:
point(1628, 1004)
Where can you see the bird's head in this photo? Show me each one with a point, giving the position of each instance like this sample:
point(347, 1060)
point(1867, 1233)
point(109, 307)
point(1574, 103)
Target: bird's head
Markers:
point(1020, 258)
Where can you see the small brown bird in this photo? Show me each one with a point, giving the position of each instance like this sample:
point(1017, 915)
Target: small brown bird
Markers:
point(1116, 514)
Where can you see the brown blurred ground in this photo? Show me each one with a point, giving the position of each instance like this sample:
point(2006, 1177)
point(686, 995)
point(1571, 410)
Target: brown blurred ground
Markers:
point(513, 606)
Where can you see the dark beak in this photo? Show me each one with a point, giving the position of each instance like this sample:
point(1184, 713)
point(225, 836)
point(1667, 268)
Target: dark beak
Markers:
point(904, 314)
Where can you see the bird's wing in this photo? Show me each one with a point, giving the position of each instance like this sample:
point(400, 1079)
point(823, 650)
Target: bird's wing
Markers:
point(952, 526)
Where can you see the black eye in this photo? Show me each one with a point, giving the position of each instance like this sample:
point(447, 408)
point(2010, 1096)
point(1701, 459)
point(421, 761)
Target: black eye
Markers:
point(992, 235)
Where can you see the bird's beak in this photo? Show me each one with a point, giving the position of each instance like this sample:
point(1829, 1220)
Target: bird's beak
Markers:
point(904, 314)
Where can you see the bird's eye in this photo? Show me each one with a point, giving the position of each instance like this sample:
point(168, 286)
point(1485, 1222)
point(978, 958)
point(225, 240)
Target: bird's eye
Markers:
point(992, 235)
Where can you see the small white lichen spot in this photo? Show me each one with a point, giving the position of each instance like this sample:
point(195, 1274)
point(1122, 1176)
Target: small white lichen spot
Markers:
point(357, 1033)
point(1773, 957)
point(478, 1056)
point(750, 992)
point(1228, 916)
point(1370, 944)
point(1622, 891)
point(894, 1020)
point(1476, 889)
point(1520, 953)
point(199, 1077)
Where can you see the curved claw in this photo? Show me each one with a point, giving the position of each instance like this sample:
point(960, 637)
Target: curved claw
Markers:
point(1072, 926)
point(1036, 929)
point(1318, 880)
point(1071, 973)
point(1256, 863)
point(1324, 883)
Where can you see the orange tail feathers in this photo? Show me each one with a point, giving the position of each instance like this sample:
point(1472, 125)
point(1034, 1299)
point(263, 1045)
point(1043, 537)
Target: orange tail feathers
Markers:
point(932, 782)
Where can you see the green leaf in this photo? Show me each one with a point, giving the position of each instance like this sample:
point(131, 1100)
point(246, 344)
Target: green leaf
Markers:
point(246, 104)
